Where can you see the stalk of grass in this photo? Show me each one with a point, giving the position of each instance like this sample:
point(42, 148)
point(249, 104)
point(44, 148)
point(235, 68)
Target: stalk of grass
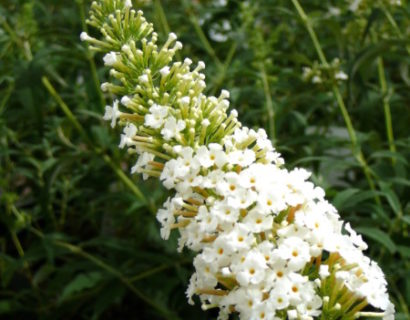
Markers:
point(386, 103)
point(269, 103)
point(356, 149)
point(201, 35)
point(393, 23)
point(90, 58)
point(160, 13)
point(222, 73)
point(16, 39)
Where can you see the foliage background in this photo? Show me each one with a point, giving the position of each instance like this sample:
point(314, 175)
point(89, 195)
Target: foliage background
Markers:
point(76, 239)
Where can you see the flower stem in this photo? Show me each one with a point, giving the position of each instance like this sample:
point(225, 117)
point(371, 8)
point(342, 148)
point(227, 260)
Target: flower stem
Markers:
point(201, 35)
point(269, 103)
point(386, 104)
point(356, 149)
point(90, 59)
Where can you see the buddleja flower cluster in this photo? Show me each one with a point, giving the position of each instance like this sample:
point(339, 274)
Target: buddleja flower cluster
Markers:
point(269, 246)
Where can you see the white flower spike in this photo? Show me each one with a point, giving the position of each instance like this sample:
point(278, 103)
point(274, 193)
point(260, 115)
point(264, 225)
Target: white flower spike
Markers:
point(268, 244)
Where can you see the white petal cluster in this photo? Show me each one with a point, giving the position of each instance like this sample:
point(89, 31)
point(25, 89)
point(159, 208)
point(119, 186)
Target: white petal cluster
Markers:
point(269, 246)
point(267, 240)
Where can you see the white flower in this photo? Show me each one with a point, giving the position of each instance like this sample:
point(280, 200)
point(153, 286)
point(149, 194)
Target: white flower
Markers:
point(164, 71)
point(258, 229)
point(156, 118)
point(341, 76)
point(258, 222)
point(143, 78)
point(129, 132)
point(110, 58)
point(143, 161)
point(172, 128)
point(85, 37)
point(214, 154)
point(112, 113)
point(296, 251)
point(324, 271)
point(279, 298)
point(252, 270)
point(241, 158)
point(356, 238)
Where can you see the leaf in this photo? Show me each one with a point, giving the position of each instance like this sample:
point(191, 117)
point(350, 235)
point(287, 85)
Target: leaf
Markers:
point(401, 181)
point(342, 197)
point(392, 198)
point(404, 251)
point(79, 283)
point(379, 236)
point(389, 155)
point(358, 197)
point(406, 219)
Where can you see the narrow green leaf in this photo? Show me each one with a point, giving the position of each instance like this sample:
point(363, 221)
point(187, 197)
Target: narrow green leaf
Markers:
point(342, 198)
point(79, 283)
point(379, 236)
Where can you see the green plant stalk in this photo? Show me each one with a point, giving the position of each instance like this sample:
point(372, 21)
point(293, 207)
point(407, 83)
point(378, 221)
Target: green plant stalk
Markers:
point(356, 149)
point(159, 10)
point(269, 103)
point(6, 97)
point(161, 14)
point(17, 242)
point(201, 35)
point(121, 175)
point(158, 269)
point(79, 251)
point(26, 49)
point(393, 23)
point(222, 73)
point(90, 59)
point(386, 104)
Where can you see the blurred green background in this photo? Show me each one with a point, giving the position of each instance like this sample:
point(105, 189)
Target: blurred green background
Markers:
point(77, 239)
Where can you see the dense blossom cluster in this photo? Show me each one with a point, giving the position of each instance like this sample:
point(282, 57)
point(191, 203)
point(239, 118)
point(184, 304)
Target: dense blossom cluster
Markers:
point(269, 245)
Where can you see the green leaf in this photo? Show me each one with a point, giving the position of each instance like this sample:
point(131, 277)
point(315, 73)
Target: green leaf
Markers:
point(342, 198)
point(79, 283)
point(389, 155)
point(406, 219)
point(379, 236)
point(392, 198)
point(404, 251)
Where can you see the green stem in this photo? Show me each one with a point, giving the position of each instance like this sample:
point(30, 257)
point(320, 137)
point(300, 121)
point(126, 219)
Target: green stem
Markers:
point(222, 73)
point(164, 22)
point(356, 149)
point(6, 97)
point(90, 59)
point(269, 103)
point(17, 242)
point(120, 174)
point(386, 104)
point(153, 271)
point(201, 35)
point(393, 23)
point(25, 48)
point(161, 14)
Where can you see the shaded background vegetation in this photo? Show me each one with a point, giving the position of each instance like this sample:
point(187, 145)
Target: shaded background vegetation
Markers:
point(79, 241)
